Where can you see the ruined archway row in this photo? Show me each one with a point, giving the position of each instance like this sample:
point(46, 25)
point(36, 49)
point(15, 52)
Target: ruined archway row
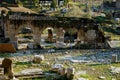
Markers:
point(84, 27)
point(84, 34)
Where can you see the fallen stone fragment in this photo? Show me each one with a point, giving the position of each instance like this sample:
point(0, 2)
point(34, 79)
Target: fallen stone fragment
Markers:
point(15, 78)
point(66, 52)
point(2, 77)
point(8, 70)
point(70, 73)
point(81, 72)
point(80, 61)
point(82, 79)
point(38, 58)
point(51, 50)
point(102, 77)
point(114, 58)
point(57, 67)
point(115, 70)
point(62, 71)
point(32, 71)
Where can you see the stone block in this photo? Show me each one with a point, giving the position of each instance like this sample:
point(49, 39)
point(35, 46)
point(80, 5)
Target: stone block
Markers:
point(70, 73)
point(57, 67)
point(38, 58)
point(114, 58)
point(7, 65)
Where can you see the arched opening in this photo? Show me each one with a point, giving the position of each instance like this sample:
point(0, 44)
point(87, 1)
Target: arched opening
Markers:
point(70, 35)
point(48, 37)
point(25, 37)
point(58, 37)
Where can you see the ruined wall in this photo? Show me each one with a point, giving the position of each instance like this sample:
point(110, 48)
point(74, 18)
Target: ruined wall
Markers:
point(60, 34)
point(118, 4)
point(12, 32)
point(90, 35)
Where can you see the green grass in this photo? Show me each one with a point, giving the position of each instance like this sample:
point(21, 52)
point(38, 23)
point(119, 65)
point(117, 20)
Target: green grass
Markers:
point(93, 71)
point(99, 70)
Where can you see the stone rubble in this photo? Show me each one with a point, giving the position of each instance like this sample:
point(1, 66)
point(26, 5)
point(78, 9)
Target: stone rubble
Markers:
point(82, 79)
point(104, 57)
point(2, 77)
point(51, 50)
point(57, 67)
point(70, 73)
point(115, 70)
point(102, 77)
point(38, 58)
point(91, 55)
point(81, 72)
point(62, 71)
point(80, 61)
point(114, 58)
point(31, 71)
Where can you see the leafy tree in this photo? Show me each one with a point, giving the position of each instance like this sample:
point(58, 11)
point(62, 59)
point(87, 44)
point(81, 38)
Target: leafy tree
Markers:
point(66, 2)
point(54, 4)
point(36, 2)
point(75, 11)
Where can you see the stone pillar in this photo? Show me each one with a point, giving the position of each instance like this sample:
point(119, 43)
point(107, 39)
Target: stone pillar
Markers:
point(7, 65)
point(90, 35)
point(63, 71)
point(60, 34)
point(7, 28)
point(81, 35)
point(36, 35)
point(114, 58)
point(118, 4)
point(12, 33)
point(70, 73)
point(38, 58)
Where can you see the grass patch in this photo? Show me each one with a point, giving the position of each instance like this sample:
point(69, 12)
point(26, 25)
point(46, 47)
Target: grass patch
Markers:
point(93, 71)
point(23, 63)
point(84, 76)
point(94, 64)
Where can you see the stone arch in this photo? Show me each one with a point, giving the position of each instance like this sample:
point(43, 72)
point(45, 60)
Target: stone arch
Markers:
point(13, 31)
point(48, 33)
point(36, 31)
point(25, 25)
point(71, 34)
point(57, 37)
